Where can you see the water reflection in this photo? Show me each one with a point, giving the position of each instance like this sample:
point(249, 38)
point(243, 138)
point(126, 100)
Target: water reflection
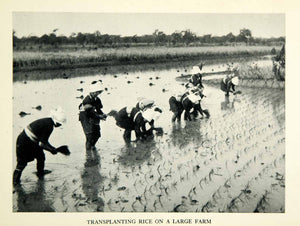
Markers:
point(137, 153)
point(183, 135)
point(34, 201)
point(229, 105)
point(92, 179)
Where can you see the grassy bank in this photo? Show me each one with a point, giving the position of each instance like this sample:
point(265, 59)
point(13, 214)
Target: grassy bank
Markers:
point(30, 61)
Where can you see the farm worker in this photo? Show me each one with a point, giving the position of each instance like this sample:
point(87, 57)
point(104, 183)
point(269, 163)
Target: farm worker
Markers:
point(90, 115)
point(176, 107)
point(129, 118)
point(191, 100)
point(196, 77)
point(150, 116)
point(195, 90)
point(229, 82)
point(34, 139)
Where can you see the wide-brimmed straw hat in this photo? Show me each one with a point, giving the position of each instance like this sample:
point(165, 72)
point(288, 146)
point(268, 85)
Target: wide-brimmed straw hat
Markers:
point(95, 88)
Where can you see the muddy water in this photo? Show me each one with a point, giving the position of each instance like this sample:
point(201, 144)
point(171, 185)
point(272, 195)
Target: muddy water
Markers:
point(232, 162)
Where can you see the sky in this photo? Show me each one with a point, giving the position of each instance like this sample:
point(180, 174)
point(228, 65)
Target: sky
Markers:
point(128, 24)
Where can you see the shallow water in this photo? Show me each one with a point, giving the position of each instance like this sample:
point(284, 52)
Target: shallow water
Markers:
point(232, 162)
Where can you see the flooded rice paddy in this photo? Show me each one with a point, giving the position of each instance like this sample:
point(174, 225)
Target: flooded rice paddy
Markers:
point(232, 162)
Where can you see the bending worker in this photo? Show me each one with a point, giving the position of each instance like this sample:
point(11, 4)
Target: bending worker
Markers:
point(90, 115)
point(33, 140)
point(131, 118)
point(229, 82)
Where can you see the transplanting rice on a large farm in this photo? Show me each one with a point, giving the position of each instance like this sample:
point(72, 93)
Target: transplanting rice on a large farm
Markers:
point(233, 161)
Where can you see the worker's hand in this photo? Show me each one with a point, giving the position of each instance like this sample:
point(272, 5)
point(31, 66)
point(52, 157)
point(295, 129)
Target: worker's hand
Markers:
point(237, 92)
point(53, 152)
point(63, 150)
point(103, 116)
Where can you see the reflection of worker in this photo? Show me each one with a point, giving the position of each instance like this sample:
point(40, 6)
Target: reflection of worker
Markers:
point(226, 104)
point(92, 180)
point(229, 82)
point(34, 201)
point(90, 115)
point(33, 140)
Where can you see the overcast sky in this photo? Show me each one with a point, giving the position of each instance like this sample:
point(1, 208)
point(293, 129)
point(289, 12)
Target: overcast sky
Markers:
point(38, 24)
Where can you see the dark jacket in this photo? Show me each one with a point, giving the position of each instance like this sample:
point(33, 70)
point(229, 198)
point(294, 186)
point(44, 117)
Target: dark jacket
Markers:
point(92, 103)
point(227, 85)
point(90, 114)
point(196, 80)
point(132, 120)
point(175, 106)
point(27, 147)
point(42, 129)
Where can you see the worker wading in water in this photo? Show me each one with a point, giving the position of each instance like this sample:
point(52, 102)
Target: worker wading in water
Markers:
point(90, 115)
point(229, 82)
point(131, 119)
point(196, 77)
point(33, 140)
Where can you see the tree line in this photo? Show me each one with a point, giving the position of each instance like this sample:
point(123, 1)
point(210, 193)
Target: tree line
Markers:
point(177, 38)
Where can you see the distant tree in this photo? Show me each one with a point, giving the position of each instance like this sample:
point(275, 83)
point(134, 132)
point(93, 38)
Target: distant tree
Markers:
point(230, 37)
point(81, 39)
point(53, 39)
point(134, 39)
point(176, 37)
point(44, 39)
point(188, 36)
point(206, 38)
point(245, 35)
point(160, 37)
point(147, 39)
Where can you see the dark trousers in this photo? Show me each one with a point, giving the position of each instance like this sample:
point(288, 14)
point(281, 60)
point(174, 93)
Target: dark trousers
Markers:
point(91, 139)
point(177, 115)
point(91, 129)
point(127, 135)
point(176, 107)
point(27, 151)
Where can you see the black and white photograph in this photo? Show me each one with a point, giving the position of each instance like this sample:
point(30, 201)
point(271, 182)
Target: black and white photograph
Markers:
point(166, 115)
point(127, 113)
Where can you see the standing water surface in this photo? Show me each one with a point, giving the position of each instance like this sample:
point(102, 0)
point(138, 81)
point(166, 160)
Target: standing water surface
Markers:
point(231, 162)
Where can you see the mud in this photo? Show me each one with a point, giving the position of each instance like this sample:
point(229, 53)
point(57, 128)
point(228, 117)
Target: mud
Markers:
point(232, 162)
